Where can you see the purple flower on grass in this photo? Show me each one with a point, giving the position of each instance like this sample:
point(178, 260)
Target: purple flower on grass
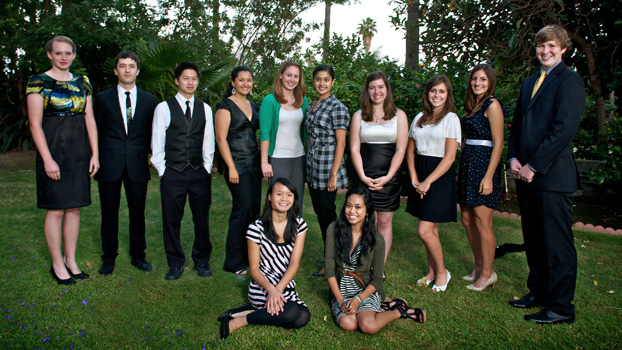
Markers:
point(10, 257)
point(45, 340)
point(85, 301)
point(7, 310)
point(8, 317)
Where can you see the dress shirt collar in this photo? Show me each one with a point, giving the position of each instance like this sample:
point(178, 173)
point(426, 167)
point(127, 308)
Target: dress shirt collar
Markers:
point(121, 91)
point(548, 71)
point(182, 101)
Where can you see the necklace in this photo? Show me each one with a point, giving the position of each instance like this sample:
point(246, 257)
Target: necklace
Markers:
point(279, 227)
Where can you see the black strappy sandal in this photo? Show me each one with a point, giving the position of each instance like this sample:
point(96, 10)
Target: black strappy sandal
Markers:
point(393, 304)
point(414, 314)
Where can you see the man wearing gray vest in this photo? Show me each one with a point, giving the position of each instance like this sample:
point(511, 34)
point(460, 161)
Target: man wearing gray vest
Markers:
point(183, 152)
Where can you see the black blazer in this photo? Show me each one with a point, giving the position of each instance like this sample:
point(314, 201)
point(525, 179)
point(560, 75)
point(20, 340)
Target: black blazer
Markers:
point(543, 128)
point(118, 150)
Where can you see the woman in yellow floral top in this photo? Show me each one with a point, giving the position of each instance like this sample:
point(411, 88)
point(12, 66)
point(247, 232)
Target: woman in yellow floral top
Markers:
point(63, 128)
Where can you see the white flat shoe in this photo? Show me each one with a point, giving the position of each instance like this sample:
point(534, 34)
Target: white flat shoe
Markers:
point(424, 282)
point(442, 288)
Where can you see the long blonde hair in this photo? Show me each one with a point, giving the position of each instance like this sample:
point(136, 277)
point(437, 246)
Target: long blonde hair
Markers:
point(299, 90)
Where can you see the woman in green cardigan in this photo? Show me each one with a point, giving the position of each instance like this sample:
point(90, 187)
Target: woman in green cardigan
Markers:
point(354, 268)
point(282, 131)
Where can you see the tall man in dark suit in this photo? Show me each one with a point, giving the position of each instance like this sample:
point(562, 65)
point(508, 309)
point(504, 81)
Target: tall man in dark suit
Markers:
point(549, 108)
point(123, 115)
point(183, 153)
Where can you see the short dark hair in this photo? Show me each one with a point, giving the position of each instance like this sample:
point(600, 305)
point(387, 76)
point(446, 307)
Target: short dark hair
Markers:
point(186, 65)
point(127, 54)
point(324, 68)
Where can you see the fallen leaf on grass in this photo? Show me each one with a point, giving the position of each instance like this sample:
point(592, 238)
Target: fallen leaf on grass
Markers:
point(515, 298)
point(457, 307)
point(88, 264)
point(582, 245)
point(610, 291)
point(596, 283)
point(586, 241)
point(599, 263)
point(325, 318)
point(411, 287)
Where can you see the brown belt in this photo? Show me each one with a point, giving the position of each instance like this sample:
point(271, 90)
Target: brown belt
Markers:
point(353, 274)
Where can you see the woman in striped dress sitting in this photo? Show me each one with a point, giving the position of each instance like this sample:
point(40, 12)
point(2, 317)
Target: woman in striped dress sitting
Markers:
point(275, 244)
point(354, 267)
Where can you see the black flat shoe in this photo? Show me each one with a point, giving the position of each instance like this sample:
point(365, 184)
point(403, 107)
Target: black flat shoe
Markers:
point(203, 270)
point(81, 276)
point(224, 327)
point(549, 317)
point(107, 267)
point(67, 282)
point(141, 264)
point(230, 312)
point(526, 302)
point(174, 273)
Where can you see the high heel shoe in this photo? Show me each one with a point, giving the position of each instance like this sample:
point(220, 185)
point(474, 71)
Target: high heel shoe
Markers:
point(67, 282)
point(81, 276)
point(424, 282)
point(491, 281)
point(442, 288)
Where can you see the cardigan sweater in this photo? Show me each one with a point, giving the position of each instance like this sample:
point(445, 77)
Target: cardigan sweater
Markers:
point(371, 266)
point(269, 121)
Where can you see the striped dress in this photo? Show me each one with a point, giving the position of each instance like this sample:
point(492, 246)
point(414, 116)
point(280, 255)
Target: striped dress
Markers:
point(349, 289)
point(273, 262)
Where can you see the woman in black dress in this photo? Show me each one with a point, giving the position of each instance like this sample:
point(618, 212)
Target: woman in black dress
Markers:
point(236, 122)
point(378, 141)
point(478, 179)
point(60, 113)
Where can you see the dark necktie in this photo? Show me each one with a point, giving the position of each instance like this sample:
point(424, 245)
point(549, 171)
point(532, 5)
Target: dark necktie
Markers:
point(128, 110)
point(188, 113)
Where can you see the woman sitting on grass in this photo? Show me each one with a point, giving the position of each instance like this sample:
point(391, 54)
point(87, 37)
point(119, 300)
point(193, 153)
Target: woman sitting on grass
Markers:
point(354, 268)
point(275, 244)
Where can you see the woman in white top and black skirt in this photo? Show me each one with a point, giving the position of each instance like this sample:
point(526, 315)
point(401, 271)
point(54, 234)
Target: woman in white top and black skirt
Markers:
point(378, 141)
point(434, 139)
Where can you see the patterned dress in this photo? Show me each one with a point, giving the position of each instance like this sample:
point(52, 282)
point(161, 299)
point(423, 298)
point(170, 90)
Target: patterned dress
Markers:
point(328, 116)
point(274, 260)
point(474, 161)
point(64, 126)
point(349, 289)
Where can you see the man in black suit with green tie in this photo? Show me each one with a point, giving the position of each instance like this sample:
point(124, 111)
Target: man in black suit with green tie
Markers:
point(124, 115)
point(548, 112)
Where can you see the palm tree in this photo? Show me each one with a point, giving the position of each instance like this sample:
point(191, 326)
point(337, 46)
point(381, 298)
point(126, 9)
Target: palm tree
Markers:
point(367, 29)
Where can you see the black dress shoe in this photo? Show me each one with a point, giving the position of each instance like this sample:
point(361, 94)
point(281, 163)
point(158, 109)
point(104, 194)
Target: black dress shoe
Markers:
point(66, 282)
point(141, 264)
point(549, 317)
point(107, 267)
point(174, 273)
point(526, 302)
point(81, 276)
point(203, 270)
point(224, 327)
point(245, 307)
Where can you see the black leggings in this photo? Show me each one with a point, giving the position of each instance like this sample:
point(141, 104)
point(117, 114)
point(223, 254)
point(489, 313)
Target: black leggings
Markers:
point(293, 316)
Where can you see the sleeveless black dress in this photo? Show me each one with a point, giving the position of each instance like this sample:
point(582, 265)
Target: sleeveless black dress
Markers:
point(474, 161)
point(64, 126)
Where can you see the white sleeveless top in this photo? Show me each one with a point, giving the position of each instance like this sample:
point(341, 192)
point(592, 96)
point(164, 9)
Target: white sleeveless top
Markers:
point(379, 133)
point(288, 142)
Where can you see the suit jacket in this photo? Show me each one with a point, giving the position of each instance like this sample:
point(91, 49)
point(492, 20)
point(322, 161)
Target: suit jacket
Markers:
point(118, 150)
point(543, 128)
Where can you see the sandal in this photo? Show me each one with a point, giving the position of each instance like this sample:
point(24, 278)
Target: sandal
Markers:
point(393, 304)
point(241, 272)
point(414, 314)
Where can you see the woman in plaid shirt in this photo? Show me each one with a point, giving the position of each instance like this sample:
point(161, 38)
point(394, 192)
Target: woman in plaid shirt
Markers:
point(327, 122)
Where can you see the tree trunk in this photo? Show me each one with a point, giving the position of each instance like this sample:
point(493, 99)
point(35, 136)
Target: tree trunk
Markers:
point(215, 20)
point(326, 38)
point(412, 35)
point(599, 98)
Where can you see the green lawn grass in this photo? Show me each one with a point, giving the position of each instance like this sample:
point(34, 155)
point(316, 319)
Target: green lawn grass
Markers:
point(131, 309)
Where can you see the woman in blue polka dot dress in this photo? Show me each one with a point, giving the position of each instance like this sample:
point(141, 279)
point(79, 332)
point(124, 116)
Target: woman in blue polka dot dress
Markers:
point(478, 178)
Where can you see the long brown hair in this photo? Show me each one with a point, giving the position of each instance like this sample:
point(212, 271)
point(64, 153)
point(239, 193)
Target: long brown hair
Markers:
point(299, 90)
point(367, 110)
point(428, 113)
point(471, 104)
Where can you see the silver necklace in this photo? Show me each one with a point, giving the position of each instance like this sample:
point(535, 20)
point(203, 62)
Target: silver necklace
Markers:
point(279, 227)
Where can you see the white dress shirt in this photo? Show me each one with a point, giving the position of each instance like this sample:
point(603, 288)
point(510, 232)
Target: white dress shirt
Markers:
point(122, 98)
point(161, 122)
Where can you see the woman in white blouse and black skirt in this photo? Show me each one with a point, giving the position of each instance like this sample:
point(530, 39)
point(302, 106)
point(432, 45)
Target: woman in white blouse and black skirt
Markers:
point(434, 138)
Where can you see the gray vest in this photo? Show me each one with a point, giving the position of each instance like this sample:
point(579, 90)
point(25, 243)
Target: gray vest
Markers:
point(184, 141)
